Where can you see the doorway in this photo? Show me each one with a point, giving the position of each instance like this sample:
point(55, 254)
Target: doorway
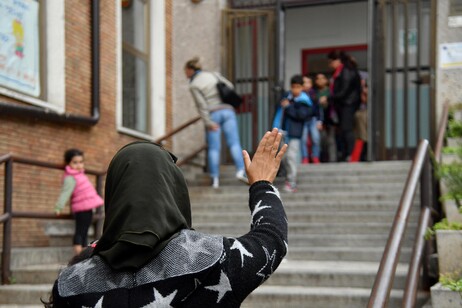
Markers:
point(249, 60)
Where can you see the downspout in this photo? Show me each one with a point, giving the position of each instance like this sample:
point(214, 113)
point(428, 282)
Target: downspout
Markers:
point(46, 114)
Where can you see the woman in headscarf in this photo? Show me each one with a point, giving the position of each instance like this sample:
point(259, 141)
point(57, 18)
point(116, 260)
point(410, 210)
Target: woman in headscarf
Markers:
point(149, 256)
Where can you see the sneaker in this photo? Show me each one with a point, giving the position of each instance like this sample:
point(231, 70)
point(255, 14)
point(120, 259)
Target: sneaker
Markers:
point(315, 160)
point(240, 175)
point(289, 188)
point(305, 161)
point(215, 182)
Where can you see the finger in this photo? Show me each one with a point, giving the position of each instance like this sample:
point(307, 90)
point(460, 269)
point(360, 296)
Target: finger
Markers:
point(270, 140)
point(262, 144)
point(281, 153)
point(247, 161)
point(277, 141)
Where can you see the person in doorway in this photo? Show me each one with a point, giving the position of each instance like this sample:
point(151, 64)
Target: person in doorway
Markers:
point(296, 110)
point(345, 94)
point(360, 150)
point(330, 119)
point(217, 117)
point(83, 196)
point(312, 128)
point(149, 255)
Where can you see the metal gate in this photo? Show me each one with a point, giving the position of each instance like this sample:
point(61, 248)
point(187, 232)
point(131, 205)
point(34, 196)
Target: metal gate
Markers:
point(401, 104)
point(249, 62)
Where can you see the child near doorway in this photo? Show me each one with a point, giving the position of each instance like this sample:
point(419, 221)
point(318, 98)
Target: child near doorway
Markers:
point(296, 110)
point(312, 128)
point(83, 196)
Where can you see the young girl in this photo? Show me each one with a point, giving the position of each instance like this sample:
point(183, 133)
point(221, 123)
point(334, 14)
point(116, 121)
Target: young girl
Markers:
point(84, 198)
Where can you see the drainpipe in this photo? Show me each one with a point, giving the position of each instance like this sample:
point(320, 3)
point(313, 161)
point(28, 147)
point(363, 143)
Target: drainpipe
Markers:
point(46, 114)
point(280, 50)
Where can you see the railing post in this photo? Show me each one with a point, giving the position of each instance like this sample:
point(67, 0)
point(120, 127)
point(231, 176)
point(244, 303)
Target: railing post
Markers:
point(99, 210)
point(8, 201)
point(426, 199)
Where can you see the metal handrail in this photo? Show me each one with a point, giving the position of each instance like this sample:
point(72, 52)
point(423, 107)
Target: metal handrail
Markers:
point(421, 169)
point(9, 214)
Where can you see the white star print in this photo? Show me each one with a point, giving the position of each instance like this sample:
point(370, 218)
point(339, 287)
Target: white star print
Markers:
point(258, 208)
point(287, 246)
point(99, 304)
point(160, 301)
point(268, 267)
point(194, 248)
point(274, 192)
point(222, 287)
point(244, 252)
point(80, 269)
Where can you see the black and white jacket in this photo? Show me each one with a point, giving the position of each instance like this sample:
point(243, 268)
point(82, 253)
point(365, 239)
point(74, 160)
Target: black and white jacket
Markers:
point(193, 270)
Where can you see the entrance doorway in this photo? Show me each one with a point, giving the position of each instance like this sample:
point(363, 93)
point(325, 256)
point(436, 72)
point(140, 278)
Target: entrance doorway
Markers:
point(249, 59)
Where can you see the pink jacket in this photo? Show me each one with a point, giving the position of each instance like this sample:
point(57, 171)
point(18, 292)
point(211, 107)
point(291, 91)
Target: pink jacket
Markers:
point(84, 197)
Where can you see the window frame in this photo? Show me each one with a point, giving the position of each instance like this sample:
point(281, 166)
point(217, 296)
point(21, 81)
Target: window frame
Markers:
point(51, 24)
point(156, 77)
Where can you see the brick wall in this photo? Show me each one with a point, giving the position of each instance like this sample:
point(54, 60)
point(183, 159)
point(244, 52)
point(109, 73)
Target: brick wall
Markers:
point(36, 189)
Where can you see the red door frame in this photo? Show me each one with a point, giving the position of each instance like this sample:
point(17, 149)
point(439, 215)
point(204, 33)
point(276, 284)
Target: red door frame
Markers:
point(307, 52)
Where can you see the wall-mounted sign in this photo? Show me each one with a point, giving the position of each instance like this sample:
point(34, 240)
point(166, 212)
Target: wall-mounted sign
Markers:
point(455, 13)
point(19, 46)
point(451, 55)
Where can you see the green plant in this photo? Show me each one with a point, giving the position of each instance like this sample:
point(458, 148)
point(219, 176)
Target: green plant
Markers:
point(454, 128)
point(452, 282)
point(442, 225)
point(451, 175)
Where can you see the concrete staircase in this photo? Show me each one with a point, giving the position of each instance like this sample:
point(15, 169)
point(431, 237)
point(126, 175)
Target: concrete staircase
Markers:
point(339, 222)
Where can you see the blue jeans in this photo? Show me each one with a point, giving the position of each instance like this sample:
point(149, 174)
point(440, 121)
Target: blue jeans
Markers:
point(226, 118)
point(310, 127)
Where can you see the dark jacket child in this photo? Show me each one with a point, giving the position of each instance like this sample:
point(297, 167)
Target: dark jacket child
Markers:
point(296, 109)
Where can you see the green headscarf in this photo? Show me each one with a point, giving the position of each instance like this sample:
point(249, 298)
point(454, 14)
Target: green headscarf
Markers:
point(146, 205)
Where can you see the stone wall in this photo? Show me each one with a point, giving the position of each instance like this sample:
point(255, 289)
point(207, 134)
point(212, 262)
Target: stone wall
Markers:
point(196, 32)
point(447, 81)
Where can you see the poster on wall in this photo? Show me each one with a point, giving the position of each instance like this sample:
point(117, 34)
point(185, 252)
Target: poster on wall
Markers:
point(451, 55)
point(19, 46)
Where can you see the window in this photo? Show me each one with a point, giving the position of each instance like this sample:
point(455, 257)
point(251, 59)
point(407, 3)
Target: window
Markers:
point(135, 59)
point(141, 102)
point(31, 33)
point(20, 46)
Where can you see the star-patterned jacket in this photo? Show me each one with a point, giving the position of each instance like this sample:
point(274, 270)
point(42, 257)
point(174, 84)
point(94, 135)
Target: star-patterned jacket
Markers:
point(193, 270)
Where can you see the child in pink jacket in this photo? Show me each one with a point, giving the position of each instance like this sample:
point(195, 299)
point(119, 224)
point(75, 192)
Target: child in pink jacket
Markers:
point(82, 195)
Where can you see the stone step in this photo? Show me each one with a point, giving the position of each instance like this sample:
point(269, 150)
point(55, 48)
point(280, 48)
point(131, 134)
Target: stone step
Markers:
point(302, 216)
point(36, 274)
point(332, 274)
point(357, 254)
point(319, 297)
point(22, 257)
point(344, 240)
point(24, 294)
point(301, 196)
point(328, 206)
point(238, 229)
point(306, 179)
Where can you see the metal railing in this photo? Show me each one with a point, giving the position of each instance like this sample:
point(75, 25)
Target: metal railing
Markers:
point(421, 171)
point(8, 212)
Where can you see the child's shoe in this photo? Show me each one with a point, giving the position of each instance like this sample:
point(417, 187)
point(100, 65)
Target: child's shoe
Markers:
point(240, 175)
point(316, 160)
point(305, 161)
point(289, 188)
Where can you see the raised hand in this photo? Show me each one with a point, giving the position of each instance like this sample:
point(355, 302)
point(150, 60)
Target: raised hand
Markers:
point(265, 163)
